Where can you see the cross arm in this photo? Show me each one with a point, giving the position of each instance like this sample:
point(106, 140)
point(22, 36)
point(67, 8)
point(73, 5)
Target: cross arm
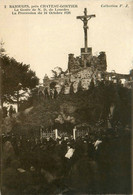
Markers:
point(80, 17)
point(91, 15)
point(83, 17)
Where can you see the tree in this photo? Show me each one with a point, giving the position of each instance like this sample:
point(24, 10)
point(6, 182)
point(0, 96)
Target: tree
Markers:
point(131, 72)
point(17, 80)
point(57, 72)
point(2, 50)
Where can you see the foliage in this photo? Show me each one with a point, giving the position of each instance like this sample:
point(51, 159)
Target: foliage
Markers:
point(83, 107)
point(57, 72)
point(17, 79)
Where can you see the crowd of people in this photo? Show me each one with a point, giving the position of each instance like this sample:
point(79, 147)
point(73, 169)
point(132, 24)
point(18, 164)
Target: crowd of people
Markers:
point(94, 163)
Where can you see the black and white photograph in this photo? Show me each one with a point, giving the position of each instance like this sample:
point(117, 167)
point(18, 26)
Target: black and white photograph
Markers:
point(66, 77)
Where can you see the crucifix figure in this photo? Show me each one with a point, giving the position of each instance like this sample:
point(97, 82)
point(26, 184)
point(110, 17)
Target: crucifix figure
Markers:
point(85, 19)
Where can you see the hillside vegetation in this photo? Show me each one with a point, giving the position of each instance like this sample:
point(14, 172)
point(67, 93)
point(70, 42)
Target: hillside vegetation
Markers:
point(88, 107)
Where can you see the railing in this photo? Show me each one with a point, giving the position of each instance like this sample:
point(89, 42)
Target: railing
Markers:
point(81, 133)
point(54, 134)
point(49, 134)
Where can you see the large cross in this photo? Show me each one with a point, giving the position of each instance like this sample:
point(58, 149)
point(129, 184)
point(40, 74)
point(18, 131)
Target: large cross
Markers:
point(85, 19)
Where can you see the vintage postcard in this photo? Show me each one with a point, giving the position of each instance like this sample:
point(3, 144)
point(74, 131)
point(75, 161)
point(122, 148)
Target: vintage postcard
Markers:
point(66, 71)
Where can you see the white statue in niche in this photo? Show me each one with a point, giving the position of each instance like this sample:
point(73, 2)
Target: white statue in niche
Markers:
point(85, 84)
point(99, 76)
point(67, 88)
point(75, 86)
point(72, 78)
point(58, 88)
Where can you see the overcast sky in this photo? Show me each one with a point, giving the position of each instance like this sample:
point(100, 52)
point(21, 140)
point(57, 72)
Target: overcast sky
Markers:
point(44, 41)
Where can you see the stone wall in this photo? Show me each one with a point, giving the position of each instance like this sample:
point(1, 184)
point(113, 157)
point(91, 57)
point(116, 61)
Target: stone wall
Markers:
point(74, 64)
point(82, 72)
point(87, 60)
point(70, 83)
